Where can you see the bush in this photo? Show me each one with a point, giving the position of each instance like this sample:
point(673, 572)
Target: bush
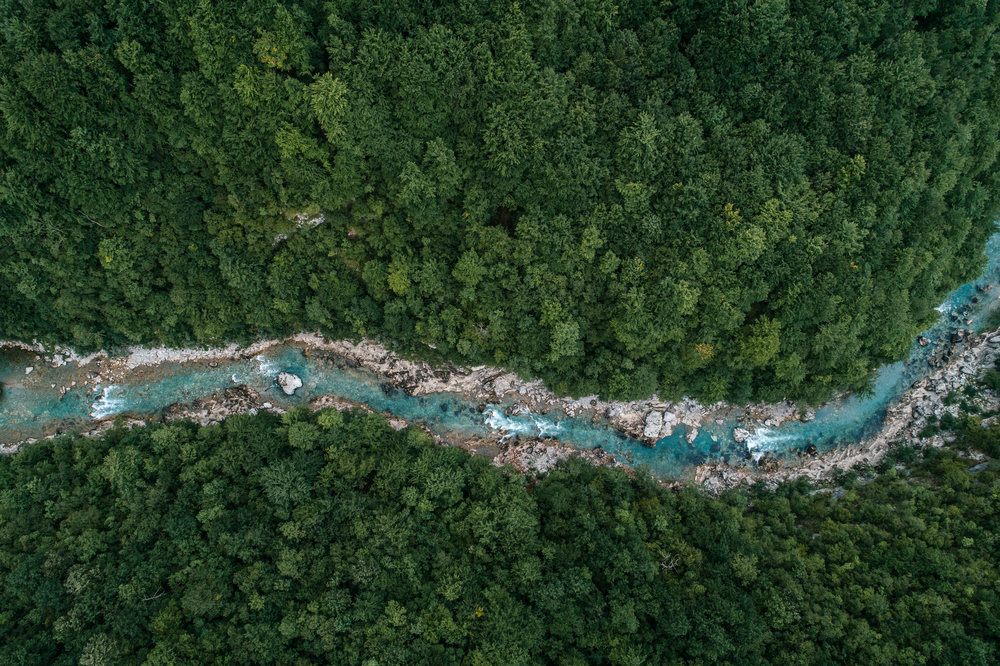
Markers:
point(929, 430)
point(991, 379)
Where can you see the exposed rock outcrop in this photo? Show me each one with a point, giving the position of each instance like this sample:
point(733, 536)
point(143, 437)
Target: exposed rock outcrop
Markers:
point(654, 423)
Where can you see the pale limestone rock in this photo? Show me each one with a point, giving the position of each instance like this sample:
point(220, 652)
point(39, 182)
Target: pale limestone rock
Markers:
point(289, 382)
point(654, 421)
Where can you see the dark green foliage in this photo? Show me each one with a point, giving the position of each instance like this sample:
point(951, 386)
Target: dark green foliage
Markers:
point(734, 200)
point(331, 538)
point(969, 407)
point(929, 430)
point(991, 380)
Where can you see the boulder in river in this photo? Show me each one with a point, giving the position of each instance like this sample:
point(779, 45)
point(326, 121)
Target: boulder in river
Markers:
point(289, 382)
point(923, 341)
point(740, 435)
point(955, 338)
point(808, 416)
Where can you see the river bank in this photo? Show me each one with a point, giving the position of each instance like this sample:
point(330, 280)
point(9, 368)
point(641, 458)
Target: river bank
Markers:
point(649, 421)
point(971, 357)
point(487, 384)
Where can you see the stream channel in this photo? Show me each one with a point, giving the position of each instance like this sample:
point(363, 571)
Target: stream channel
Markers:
point(32, 408)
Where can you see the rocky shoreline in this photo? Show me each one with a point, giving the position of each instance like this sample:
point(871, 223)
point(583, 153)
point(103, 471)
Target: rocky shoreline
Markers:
point(529, 458)
point(969, 358)
point(648, 420)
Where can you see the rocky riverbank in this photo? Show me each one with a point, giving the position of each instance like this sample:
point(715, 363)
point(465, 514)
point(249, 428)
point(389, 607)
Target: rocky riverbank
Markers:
point(963, 358)
point(960, 363)
point(646, 420)
point(529, 457)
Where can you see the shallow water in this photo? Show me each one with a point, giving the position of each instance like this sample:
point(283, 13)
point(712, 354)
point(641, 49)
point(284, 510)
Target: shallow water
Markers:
point(31, 407)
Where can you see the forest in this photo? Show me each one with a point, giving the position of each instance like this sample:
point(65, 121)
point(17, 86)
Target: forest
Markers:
point(329, 537)
point(726, 199)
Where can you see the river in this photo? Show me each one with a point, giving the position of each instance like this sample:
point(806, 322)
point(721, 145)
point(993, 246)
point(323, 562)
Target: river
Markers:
point(33, 405)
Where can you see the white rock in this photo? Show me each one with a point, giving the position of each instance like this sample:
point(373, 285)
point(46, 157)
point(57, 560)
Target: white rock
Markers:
point(922, 341)
point(692, 435)
point(740, 435)
point(289, 382)
point(28, 370)
point(654, 421)
point(809, 416)
point(267, 405)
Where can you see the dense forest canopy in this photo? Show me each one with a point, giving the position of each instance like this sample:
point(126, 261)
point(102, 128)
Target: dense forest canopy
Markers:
point(724, 199)
point(331, 538)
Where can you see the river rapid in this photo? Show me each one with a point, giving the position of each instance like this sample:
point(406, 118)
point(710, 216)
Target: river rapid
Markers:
point(47, 392)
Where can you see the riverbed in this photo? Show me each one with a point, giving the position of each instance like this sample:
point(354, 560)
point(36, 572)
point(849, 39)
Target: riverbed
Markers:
point(53, 391)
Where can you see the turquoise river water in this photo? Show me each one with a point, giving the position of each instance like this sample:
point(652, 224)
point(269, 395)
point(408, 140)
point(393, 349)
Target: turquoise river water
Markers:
point(31, 407)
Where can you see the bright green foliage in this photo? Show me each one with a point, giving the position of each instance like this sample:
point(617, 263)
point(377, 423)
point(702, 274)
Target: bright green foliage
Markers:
point(331, 538)
point(740, 198)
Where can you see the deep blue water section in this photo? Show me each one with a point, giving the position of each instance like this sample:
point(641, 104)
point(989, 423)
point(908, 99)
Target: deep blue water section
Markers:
point(32, 407)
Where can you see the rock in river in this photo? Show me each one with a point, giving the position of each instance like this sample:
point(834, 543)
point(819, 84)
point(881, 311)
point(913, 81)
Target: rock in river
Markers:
point(289, 382)
point(740, 435)
point(923, 341)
